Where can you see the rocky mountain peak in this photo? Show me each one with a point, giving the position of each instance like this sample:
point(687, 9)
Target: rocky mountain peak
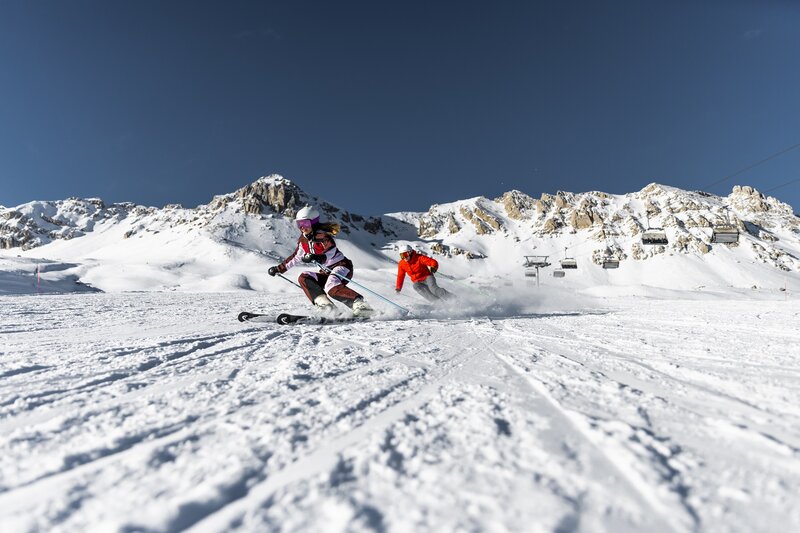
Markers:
point(746, 198)
point(275, 192)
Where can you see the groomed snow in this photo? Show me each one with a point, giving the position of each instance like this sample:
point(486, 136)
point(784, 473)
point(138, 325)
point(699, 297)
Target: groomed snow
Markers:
point(160, 412)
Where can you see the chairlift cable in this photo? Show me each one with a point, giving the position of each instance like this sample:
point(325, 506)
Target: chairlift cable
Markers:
point(783, 185)
point(754, 165)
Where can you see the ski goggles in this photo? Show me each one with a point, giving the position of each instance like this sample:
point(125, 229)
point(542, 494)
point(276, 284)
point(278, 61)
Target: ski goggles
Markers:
point(405, 255)
point(304, 224)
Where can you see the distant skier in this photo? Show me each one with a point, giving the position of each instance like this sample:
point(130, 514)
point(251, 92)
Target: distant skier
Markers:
point(421, 269)
point(316, 244)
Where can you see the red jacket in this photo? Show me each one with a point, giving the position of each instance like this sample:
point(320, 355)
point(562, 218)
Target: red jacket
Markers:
point(417, 268)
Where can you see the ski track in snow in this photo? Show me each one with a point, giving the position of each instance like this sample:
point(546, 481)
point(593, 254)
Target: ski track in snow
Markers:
point(160, 412)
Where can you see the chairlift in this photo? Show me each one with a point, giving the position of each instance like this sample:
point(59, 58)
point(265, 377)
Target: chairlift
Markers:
point(558, 273)
point(724, 234)
point(654, 235)
point(532, 265)
point(610, 262)
point(568, 262)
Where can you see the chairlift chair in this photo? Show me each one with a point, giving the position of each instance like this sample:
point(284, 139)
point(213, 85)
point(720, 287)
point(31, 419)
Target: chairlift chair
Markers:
point(558, 273)
point(724, 234)
point(654, 236)
point(610, 262)
point(568, 262)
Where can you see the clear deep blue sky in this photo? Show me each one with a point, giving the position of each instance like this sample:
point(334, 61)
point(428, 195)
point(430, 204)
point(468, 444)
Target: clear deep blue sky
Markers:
point(386, 106)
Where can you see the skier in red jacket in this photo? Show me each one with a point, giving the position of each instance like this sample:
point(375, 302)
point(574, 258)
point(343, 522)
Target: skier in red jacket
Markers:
point(316, 244)
point(421, 269)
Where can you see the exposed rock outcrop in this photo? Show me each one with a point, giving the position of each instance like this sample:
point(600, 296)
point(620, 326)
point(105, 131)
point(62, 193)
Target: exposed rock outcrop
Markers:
point(484, 222)
point(450, 251)
point(517, 204)
point(581, 219)
point(275, 192)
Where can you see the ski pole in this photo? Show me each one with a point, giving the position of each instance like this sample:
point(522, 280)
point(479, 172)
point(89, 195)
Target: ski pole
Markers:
point(290, 281)
point(343, 278)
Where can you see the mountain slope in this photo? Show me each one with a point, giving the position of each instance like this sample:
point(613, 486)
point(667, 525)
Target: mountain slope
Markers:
point(229, 243)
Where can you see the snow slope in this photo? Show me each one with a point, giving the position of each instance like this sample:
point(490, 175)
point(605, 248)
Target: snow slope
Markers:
point(659, 396)
point(159, 412)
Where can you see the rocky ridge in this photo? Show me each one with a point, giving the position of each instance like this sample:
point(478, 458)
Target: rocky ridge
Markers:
point(612, 225)
point(595, 224)
point(38, 223)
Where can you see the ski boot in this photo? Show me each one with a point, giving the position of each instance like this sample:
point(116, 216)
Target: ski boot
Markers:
point(361, 308)
point(325, 305)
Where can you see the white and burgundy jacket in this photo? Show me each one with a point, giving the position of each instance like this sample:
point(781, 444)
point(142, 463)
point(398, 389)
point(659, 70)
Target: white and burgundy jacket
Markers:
point(322, 243)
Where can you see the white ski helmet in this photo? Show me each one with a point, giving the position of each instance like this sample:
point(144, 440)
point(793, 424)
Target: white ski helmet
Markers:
point(406, 249)
point(308, 213)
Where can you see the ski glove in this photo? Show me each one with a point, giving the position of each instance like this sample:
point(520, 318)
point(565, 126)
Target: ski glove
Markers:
point(308, 258)
point(432, 269)
point(273, 271)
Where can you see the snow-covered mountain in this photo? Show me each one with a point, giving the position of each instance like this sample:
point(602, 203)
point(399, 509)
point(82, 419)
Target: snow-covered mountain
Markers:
point(228, 243)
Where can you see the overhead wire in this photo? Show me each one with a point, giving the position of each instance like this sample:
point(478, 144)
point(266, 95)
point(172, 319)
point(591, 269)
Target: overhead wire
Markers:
point(782, 185)
point(752, 166)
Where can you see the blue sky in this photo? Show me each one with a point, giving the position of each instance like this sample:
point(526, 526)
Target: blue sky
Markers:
point(380, 107)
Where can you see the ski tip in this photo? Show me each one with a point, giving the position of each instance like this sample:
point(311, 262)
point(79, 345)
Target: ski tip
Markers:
point(286, 318)
point(244, 316)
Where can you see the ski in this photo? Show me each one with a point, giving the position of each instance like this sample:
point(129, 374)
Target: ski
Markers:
point(245, 316)
point(287, 319)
